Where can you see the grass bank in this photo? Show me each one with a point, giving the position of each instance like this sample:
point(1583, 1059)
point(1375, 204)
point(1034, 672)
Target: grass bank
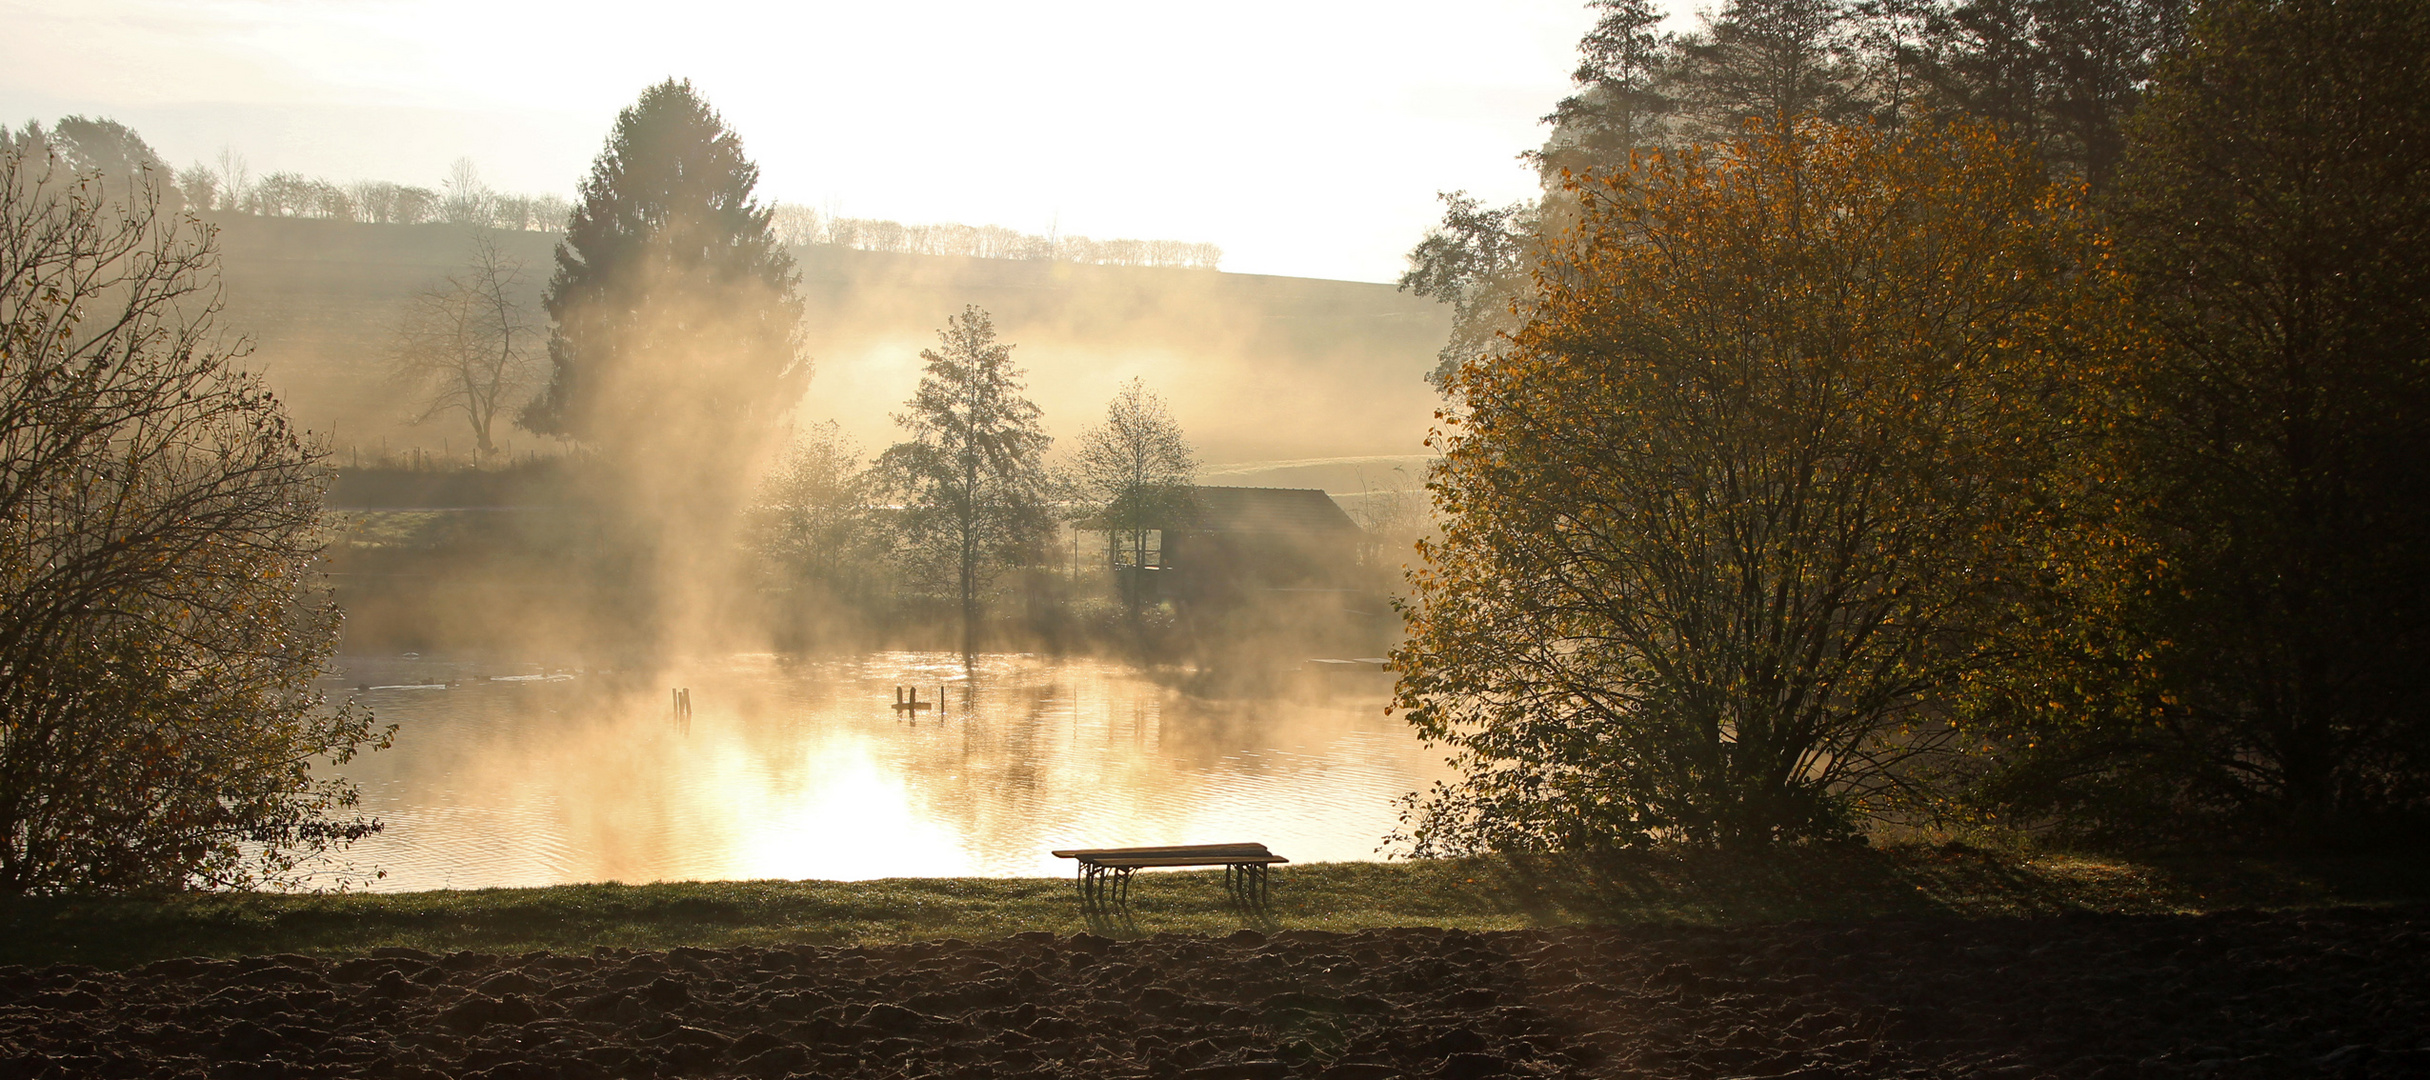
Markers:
point(1477, 894)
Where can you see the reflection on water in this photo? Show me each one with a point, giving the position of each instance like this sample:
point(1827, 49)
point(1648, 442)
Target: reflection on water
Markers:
point(798, 769)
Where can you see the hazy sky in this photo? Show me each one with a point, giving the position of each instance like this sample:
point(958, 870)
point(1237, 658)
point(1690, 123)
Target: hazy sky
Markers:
point(1306, 138)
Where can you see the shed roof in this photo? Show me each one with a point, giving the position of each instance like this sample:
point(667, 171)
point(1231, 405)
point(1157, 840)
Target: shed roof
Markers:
point(1305, 511)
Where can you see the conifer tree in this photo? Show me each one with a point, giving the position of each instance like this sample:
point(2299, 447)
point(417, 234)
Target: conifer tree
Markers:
point(2276, 202)
point(1621, 102)
point(673, 301)
point(674, 357)
point(1771, 61)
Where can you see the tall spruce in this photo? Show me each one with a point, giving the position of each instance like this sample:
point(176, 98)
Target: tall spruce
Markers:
point(673, 300)
point(1620, 103)
point(1772, 61)
point(674, 358)
point(2061, 74)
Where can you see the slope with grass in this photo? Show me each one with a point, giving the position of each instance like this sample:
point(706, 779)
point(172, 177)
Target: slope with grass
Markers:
point(1257, 367)
point(1910, 963)
point(1472, 894)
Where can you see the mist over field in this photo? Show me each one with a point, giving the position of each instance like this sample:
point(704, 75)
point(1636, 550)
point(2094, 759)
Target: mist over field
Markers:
point(1299, 382)
point(1865, 539)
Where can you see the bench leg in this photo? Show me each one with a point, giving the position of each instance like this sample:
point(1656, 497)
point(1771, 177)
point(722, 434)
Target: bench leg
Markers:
point(1091, 883)
point(1240, 880)
point(1249, 884)
point(1107, 887)
point(1103, 887)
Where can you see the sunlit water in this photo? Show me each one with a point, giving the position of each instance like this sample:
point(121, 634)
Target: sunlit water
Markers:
point(798, 769)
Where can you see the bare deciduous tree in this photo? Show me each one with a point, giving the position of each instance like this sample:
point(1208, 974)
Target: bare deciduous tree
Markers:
point(469, 202)
point(466, 343)
point(159, 520)
point(1139, 470)
point(235, 179)
point(821, 538)
point(199, 185)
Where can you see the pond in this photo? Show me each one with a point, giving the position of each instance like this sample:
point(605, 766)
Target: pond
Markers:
point(786, 768)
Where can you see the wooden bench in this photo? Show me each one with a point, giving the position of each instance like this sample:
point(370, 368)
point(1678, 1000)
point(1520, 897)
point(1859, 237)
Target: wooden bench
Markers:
point(1104, 874)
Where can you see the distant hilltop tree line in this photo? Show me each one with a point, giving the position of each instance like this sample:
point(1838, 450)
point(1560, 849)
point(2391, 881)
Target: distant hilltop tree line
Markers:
point(228, 185)
point(801, 226)
point(115, 152)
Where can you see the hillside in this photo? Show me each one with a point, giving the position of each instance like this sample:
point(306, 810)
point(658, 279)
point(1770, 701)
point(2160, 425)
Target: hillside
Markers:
point(1298, 381)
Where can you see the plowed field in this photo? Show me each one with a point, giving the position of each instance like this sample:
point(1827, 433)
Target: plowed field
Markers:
point(2343, 992)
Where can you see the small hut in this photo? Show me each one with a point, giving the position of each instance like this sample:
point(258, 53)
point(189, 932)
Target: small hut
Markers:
point(1229, 543)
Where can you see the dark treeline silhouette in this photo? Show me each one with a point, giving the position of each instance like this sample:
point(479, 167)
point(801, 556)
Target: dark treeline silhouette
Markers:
point(2059, 75)
point(1998, 412)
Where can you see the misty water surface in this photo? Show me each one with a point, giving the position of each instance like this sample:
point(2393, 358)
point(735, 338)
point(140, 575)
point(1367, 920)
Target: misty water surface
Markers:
point(515, 776)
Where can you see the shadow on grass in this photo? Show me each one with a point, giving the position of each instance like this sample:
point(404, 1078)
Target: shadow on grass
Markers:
point(1486, 893)
point(1848, 882)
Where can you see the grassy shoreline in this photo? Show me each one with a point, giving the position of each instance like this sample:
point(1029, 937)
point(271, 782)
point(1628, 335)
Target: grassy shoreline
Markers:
point(1476, 894)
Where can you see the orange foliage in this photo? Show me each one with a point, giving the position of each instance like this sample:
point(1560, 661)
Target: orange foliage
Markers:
point(1734, 511)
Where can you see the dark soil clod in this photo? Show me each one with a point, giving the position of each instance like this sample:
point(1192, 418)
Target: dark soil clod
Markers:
point(2327, 993)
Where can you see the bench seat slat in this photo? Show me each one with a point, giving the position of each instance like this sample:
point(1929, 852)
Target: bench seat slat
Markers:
point(1175, 850)
point(1144, 861)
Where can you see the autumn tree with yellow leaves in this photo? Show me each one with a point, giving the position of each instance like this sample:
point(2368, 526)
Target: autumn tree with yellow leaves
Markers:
point(1733, 516)
point(161, 622)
